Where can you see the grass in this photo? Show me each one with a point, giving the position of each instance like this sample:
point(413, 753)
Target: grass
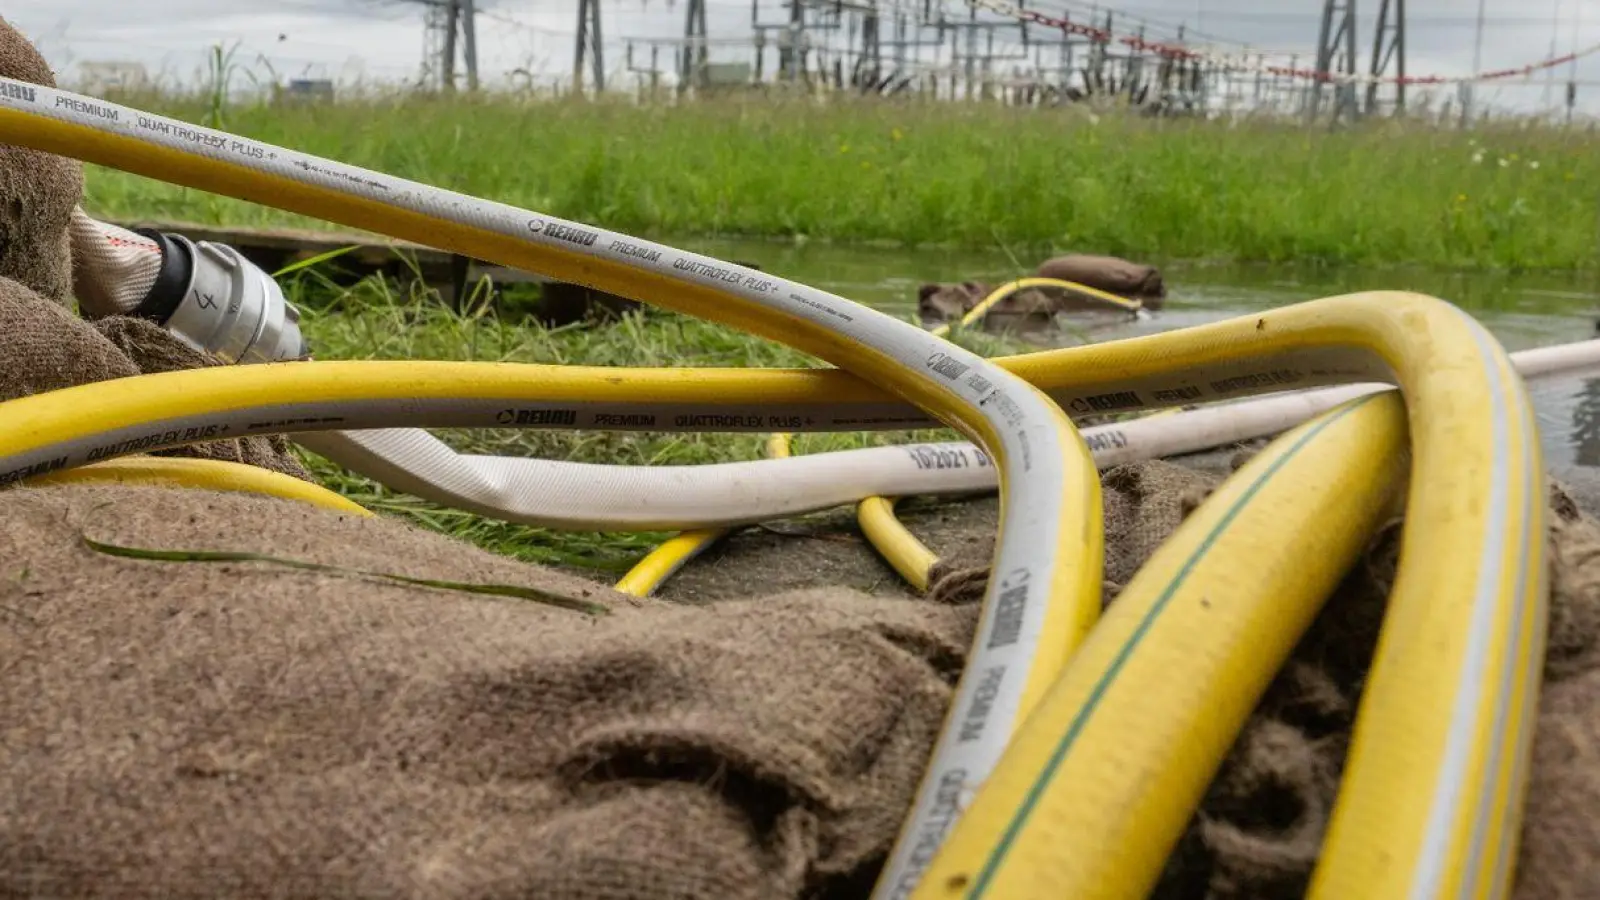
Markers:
point(374, 321)
point(533, 595)
point(1512, 195)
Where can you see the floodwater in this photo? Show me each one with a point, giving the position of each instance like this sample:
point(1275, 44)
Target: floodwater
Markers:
point(1522, 311)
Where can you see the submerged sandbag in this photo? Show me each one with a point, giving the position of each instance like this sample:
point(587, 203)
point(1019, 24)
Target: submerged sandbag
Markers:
point(1035, 306)
point(1108, 273)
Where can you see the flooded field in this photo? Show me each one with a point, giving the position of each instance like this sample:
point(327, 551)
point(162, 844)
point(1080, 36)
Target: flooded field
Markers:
point(1523, 311)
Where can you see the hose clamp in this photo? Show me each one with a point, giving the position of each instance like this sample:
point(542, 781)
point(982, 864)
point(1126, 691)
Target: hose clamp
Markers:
point(213, 298)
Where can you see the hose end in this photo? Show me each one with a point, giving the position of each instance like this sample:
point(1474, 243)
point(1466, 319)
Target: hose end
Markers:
point(213, 298)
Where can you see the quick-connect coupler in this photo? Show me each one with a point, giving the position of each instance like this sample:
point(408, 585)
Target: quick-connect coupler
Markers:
point(210, 296)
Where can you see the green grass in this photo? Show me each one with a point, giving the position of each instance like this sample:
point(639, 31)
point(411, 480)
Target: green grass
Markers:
point(373, 321)
point(1508, 195)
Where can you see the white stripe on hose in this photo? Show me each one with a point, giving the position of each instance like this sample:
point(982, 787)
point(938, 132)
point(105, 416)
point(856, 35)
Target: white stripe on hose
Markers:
point(1024, 422)
point(1465, 715)
point(1503, 699)
point(1539, 613)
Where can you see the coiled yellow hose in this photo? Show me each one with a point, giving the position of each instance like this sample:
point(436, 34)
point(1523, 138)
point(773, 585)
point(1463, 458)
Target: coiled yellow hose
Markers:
point(1431, 802)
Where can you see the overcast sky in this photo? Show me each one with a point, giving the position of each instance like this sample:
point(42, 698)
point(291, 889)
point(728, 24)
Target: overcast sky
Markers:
point(383, 39)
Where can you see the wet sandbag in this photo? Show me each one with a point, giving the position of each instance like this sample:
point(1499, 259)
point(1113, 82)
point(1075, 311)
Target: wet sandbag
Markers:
point(1107, 273)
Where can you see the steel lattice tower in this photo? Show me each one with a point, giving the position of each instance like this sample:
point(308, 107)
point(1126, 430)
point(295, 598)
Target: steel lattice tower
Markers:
point(1336, 54)
point(588, 47)
point(1389, 53)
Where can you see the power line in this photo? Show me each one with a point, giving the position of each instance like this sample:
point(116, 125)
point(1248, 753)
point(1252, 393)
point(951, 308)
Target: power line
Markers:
point(1309, 16)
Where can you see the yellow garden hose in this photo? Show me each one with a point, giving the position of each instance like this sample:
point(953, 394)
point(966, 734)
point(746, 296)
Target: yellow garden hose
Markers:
point(999, 294)
point(874, 514)
point(1431, 802)
point(898, 547)
point(1096, 789)
point(208, 474)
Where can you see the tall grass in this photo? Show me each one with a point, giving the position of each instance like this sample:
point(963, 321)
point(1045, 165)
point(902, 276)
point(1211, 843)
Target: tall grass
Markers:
point(1500, 196)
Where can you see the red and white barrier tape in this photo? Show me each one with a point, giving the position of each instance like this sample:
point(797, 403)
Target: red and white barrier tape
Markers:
point(1251, 63)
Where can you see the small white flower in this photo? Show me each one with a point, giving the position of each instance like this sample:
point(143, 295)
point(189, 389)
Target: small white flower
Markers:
point(1477, 157)
point(1504, 163)
point(1533, 164)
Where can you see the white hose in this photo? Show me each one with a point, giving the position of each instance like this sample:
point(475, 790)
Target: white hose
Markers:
point(113, 268)
point(586, 496)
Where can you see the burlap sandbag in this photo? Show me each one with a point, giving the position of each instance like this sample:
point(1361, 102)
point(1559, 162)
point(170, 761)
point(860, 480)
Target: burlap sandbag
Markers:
point(38, 191)
point(201, 729)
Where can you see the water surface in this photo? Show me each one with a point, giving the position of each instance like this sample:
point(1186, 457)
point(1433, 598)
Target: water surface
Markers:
point(1522, 311)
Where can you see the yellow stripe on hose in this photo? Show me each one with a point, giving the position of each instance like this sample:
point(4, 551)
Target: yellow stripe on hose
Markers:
point(1097, 787)
point(208, 474)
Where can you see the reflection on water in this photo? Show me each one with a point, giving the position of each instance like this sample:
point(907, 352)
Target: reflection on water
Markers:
point(1585, 423)
point(1522, 311)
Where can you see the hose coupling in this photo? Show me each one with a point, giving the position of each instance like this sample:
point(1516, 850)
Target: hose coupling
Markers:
point(213, 298)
